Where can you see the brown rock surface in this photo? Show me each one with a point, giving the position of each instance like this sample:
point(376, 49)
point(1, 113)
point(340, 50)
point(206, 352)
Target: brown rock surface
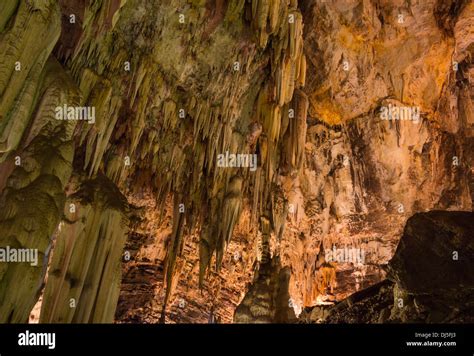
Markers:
point(429, 278)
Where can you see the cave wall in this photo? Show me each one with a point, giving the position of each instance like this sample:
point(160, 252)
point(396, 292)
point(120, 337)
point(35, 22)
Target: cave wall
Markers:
point(173, 85)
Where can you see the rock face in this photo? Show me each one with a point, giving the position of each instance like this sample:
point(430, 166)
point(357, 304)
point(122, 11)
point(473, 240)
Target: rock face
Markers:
point(267, 301)
point(365, 175)
point(219, 161)
point(429, 277)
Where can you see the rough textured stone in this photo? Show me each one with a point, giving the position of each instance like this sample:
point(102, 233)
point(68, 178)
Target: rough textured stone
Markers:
point(425, 283)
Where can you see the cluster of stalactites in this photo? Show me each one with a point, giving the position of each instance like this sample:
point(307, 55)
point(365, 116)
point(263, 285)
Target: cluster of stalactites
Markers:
point(153, 145)
point(217, 208)
point(280, 109)
point(281, 24)
point(281, 106)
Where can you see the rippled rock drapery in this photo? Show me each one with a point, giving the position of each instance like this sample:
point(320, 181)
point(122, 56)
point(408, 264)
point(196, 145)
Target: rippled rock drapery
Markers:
point(36, 150)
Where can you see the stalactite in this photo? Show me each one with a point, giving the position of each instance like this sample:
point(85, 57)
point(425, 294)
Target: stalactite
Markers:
point(230, 213)
point(175, 247)
point(325, 274)
point(296, 134)
point(279, 211)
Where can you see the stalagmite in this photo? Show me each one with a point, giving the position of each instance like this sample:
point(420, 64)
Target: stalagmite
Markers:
point(268, 300)
point(230, 215)
point(176, 243)
point(85, 272)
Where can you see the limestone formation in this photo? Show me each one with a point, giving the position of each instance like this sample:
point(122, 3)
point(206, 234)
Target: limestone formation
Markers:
point(83, 282)
point(192, 161)
point(428, 277)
